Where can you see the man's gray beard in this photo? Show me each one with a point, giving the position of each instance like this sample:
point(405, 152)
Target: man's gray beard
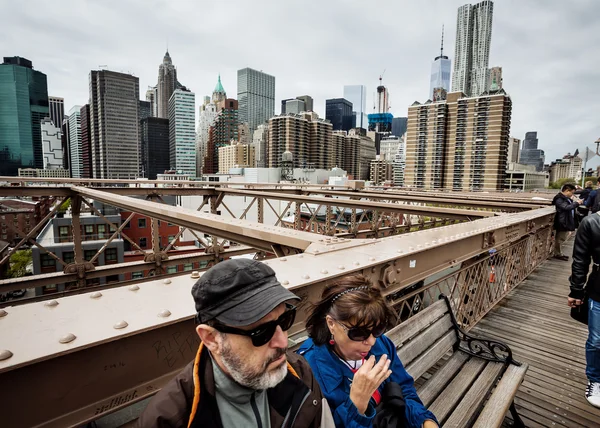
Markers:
point(257, 380)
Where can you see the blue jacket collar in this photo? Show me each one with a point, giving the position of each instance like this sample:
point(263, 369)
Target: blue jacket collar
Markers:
point(329, 368)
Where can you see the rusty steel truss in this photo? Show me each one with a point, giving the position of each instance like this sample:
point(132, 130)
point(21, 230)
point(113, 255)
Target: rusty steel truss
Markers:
point(91, 353)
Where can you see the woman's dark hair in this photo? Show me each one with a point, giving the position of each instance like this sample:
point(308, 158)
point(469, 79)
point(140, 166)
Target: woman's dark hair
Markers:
point(363, 307)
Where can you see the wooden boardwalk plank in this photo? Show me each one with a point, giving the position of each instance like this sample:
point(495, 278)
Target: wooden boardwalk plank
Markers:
point(534, 321)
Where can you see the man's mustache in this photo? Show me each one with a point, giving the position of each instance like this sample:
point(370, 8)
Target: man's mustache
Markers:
point(278, 353)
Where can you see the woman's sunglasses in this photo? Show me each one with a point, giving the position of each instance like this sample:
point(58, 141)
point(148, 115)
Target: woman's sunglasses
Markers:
point(360, 334)
point(262, 334)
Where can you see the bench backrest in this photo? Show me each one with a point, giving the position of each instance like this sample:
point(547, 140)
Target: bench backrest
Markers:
point(424, 338)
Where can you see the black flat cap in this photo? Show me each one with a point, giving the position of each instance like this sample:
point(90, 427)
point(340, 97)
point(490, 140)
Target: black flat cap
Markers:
point(238, 292)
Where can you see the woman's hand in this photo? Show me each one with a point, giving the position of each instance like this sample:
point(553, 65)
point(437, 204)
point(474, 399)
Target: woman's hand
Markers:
point(367, 379)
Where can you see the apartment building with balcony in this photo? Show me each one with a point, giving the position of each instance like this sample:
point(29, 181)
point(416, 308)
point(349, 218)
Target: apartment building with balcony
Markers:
point(460, 143)
point(305, 135)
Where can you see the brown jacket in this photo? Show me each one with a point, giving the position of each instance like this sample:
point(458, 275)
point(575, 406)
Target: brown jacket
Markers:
point(189, 399)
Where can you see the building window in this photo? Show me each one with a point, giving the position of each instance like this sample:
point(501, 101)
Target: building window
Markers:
point(101, 231)
point(112, 229)
point(68, 257)
point(172, 269)
point(141, 223)
point(137, 275)
point(63, 231)
point(188, 266)
point(89, 254)
point(4, 236)
point(110, 254)
point(89, 229)
point(143, 243)
point(127, 226)
point(112, 278)
point(47, 261)
point(171, 238)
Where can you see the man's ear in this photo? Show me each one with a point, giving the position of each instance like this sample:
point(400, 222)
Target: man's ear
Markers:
point(208, 335)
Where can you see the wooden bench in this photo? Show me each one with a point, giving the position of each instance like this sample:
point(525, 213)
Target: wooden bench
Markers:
point(474, 380)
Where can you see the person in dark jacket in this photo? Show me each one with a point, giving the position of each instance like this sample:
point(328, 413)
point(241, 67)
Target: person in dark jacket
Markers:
point(353, 360)
point(585, 192)
point(586, 250)
point(591, 202)
point(242, 375)
point(564, 220)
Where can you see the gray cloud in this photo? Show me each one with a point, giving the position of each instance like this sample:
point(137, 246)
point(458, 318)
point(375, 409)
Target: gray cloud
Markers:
point(549, 50)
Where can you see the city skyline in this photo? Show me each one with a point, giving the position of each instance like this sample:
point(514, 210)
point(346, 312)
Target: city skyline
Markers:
point(564, 115)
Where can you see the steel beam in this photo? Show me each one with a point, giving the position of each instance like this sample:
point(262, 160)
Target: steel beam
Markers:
point(255, 235)
point(365, 205)
point(26, 282)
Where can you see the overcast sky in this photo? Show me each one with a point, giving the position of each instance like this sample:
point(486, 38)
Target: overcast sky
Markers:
point(549, 51)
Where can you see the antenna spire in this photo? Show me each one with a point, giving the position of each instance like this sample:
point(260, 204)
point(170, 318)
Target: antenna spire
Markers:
point(442, 46)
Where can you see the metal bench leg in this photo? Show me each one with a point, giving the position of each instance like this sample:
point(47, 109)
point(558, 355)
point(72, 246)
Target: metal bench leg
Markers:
point(516, 418)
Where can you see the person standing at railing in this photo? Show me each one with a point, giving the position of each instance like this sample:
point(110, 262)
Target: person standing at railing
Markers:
point(585, 298)
point(564, 220)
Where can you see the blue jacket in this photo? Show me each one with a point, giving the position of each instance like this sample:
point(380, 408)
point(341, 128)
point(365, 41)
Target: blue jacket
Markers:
point(335, 379)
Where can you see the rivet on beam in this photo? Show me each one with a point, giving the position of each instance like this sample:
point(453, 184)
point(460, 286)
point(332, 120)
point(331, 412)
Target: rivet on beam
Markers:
point(69, 337)
point(167, 281)
point(51, 303)
point(134, 288)
point(121, 324)
point(305, 277)
point(96, 295)
point(285, 283)
point(195, 274)
point(5, 354)
point(283, 259)
point(164, 313)
point(340, 267)
point(3, 313)
point(372, 259)
point(324, 272)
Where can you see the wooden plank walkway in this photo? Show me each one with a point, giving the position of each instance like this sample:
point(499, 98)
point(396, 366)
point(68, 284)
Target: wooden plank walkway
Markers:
point(534, 321)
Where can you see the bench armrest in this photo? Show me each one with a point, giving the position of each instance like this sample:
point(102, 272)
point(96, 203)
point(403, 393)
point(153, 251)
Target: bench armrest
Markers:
point(488, 349)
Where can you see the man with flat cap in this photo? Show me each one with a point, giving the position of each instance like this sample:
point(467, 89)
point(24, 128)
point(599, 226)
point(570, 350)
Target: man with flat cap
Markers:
point(242, 375)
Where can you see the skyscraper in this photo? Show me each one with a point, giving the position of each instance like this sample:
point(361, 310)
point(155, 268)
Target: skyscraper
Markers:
point(74, 142)
point(308, 102)
point(256, 97)
point(86, 142)
point(167, 83)
point(459, 144)
point(259, 141)
point(530, 154)
point(306, 136)
point(114, 105)
point(155, 146)
point(440, 72)
point(339, 112)
point(472, 49)
point(51, 145)
point(23, 106)
point(495, 78)
point(221, 133)
point(207, 116)
point(399, 126)
point(514, 150)
point(57, 110)
point(182, 135)
point(295, 106)
point(357, 95)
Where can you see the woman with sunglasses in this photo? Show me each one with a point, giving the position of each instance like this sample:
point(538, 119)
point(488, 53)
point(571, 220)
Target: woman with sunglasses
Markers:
point(351, 357)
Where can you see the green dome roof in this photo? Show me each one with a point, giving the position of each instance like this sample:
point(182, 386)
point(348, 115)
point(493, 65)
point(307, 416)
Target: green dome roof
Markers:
point(219, 87)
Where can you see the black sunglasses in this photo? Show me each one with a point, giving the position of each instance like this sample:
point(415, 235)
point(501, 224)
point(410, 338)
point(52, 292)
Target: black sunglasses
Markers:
point(262, 334)
point(360, 334)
